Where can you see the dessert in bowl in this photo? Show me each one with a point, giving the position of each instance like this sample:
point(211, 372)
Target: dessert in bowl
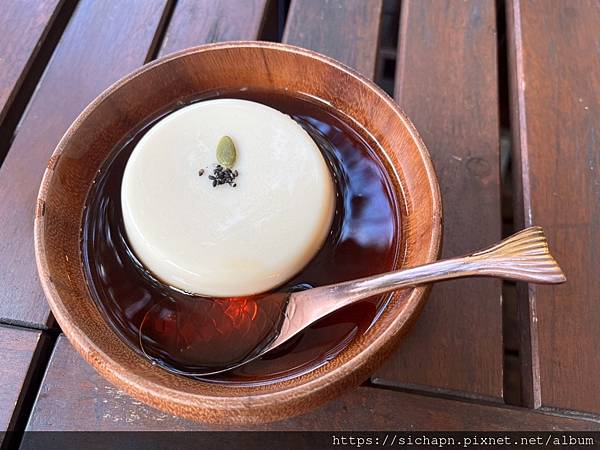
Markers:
point(364, 201)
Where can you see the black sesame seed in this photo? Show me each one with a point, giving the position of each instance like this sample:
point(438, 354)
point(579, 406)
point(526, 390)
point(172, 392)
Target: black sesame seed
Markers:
point(201, 172)
point(222, 175)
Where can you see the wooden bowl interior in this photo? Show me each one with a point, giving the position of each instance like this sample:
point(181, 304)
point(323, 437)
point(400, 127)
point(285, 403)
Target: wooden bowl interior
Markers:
point(131, 101)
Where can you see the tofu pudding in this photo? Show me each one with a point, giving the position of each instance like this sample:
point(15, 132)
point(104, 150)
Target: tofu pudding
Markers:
point(232, 239)
point(191, 274)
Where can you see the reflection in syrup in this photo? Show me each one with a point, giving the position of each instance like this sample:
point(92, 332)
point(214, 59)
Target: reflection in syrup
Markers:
point(177, 327)
point(213, 334)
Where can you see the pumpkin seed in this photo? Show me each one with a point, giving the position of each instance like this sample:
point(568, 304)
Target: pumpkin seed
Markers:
point(226, 152)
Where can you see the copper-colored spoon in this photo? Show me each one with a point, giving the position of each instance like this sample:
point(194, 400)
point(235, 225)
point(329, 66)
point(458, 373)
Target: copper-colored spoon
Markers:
point(523, 256)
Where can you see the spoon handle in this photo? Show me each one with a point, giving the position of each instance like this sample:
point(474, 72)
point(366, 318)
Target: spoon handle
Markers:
point(523, 256)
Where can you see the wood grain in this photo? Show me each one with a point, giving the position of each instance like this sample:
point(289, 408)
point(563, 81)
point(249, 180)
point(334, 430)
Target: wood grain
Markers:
point(74, 397)
point(554, 57)
point(103, 41)
point(196, 22)
point(24, 25)
point(18, 348)
point(347, 30)
point(446, 81)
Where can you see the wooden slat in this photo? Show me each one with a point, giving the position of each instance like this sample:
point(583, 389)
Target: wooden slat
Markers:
point(74, 397)
point(103, 41)
point(554, 55)
point(347, 30)
point(446, 81)
point(24, 24)
point(17, 351)
point(196, 22)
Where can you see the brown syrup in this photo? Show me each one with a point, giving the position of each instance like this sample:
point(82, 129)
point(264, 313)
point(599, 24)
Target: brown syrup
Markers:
point(177, 327)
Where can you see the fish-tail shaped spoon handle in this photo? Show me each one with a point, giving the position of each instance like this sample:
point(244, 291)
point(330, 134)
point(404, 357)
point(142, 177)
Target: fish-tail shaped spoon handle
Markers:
point(523, 256)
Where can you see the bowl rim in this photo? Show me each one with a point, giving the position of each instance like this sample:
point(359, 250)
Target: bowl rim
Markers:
point(189, 404)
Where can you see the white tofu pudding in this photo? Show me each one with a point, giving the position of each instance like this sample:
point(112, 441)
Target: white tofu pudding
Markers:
point(226, 240)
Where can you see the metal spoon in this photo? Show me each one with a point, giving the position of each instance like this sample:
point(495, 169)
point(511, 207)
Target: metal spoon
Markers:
point(524, 256)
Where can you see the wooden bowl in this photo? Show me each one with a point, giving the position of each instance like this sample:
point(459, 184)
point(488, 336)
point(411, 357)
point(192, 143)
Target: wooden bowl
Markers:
point(141, 94)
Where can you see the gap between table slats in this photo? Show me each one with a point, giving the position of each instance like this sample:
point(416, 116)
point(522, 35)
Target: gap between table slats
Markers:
point(30, 31)
point(554, 55)
point(96, 405)
point(18, 354)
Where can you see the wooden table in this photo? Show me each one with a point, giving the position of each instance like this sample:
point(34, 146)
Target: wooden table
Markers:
point(506, 95)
